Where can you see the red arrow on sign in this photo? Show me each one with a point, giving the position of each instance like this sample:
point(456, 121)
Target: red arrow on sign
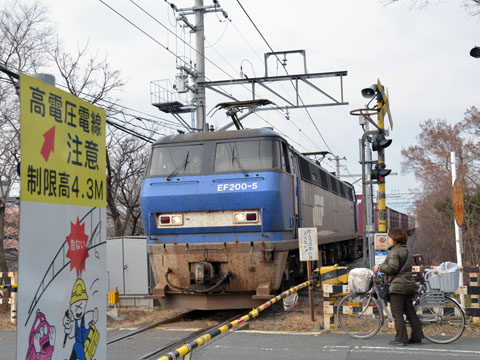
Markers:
point(48, 144)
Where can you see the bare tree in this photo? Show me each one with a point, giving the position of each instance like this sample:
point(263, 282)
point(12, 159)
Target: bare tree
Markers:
point(472, 6)
point(24, 39)
point(27, 45)
point(127, 165)
point(430, 161)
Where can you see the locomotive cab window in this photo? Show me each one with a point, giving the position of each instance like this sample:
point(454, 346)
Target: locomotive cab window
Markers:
point(285, 160)
point(176, 160)
point(247, 155)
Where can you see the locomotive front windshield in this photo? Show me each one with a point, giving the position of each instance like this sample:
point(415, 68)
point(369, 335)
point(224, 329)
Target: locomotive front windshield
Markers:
point(247, 155)
point(176, 160)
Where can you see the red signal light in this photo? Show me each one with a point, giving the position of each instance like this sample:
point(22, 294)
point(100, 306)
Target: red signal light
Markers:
point(164, 219)
point(251, 216)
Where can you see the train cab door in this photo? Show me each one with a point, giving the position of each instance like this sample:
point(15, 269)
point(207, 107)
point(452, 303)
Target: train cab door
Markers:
point(291, 167)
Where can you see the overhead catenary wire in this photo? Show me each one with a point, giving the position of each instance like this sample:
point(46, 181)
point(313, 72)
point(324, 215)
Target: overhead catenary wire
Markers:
point(163, 46)
point(285, 69)
point(118, 126)
point(128, 131)
point(160, 23)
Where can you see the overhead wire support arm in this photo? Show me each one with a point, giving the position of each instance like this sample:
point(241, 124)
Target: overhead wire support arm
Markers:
point(275, 78)
point(284, 103)
point(285, 53)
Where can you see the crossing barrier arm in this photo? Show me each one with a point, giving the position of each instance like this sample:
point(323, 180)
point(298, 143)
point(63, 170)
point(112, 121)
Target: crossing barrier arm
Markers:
point(192, 345)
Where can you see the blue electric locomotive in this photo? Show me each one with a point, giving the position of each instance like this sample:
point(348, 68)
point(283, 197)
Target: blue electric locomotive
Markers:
point(221, 211)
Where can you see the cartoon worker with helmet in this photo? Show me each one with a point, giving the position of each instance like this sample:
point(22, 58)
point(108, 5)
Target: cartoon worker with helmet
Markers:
point(76, 317)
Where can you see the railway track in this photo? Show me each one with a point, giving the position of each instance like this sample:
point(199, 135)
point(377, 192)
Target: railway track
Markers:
point(177, 343)
point(165, 348)
point(150, 326)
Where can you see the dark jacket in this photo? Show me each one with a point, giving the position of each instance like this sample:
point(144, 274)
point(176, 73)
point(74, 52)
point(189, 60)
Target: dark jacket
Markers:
point(403, 282)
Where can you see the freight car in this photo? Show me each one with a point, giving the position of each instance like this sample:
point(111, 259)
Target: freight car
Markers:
point(394, 218)
point(221, 211)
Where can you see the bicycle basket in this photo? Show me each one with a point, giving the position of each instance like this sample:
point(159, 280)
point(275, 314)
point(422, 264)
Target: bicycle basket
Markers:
point(360, 280)
point(433, 298)
point(447, 282)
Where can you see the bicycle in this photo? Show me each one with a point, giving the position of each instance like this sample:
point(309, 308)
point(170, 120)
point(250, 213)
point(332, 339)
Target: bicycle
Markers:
point(442, 318)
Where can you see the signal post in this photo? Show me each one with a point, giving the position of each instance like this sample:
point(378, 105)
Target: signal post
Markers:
point(381, 143)
point(377, 174)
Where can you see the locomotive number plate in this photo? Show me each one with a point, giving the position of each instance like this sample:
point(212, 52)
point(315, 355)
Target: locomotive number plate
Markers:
point(237, 187)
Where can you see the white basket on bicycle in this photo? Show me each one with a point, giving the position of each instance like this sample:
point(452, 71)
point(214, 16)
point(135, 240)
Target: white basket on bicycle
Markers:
point(445, 278)
point(360, 280)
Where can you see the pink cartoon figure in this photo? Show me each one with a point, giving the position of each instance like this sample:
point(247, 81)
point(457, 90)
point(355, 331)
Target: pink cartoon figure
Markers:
point(41, 340)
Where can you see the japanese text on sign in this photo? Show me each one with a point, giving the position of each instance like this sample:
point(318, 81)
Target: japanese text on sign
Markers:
point(63, 146)
point(308, 244)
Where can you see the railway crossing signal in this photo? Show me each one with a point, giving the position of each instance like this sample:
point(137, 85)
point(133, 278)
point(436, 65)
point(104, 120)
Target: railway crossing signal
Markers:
point(379, 172)
point(380, 142)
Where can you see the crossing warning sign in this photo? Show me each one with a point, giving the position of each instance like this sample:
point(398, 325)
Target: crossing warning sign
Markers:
point(63, 153)
point(62, 261)
point(381, 241)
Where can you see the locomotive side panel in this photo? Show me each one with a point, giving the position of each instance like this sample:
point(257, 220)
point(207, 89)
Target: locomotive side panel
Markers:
point(332, 215)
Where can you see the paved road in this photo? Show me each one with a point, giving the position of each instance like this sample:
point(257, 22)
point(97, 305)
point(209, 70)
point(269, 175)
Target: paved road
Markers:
point(254, 345)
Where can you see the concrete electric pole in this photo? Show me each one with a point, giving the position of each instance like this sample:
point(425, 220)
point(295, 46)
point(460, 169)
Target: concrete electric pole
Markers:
point(200, 46)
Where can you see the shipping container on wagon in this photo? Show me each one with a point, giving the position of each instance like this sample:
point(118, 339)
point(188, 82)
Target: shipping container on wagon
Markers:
point(394, 218)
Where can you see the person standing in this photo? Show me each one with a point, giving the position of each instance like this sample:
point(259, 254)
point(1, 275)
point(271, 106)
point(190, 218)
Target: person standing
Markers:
point(398, 268)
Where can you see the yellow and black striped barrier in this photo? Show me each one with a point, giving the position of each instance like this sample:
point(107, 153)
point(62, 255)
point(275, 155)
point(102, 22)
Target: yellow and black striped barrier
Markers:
point(12, 294)
point(192, 345)
point(12, 287)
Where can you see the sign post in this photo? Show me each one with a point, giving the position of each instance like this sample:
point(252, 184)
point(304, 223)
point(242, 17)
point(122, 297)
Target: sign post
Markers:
point(62, 265)
point(458, 210)
point(308, 246)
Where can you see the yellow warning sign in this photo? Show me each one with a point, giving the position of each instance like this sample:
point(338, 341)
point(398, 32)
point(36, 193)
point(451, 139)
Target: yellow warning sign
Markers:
point(62, 146)
point(458, 205)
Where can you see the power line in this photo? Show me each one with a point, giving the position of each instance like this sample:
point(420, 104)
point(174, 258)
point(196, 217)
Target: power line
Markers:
point(165, 27)
point(128, 131)
point(285, 69)
point(166, 48)
point(170, 31)
point(161, 121)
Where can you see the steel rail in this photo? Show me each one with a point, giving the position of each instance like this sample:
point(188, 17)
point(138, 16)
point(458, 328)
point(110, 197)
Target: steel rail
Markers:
point(148, 327)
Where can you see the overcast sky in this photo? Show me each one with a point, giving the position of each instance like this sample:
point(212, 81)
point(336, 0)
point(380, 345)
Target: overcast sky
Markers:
point(420, 55)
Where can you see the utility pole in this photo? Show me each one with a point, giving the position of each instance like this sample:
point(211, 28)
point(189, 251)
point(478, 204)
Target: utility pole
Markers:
point(191, 81)
point(337, 165)
point(368, 204)
point(200, 46)
point(196, 74)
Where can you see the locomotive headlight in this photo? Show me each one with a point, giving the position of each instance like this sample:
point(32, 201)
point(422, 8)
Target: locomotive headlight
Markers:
point(245, 217)
point(177, 219)
point(170, 220)
point(239, 217)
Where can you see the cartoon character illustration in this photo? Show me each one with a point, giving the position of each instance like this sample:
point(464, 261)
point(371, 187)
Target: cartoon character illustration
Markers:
point(76, 317)
point(41, 340)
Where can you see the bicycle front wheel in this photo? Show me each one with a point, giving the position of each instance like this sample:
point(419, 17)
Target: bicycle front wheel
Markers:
point(443, 321)
point(360, 315)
